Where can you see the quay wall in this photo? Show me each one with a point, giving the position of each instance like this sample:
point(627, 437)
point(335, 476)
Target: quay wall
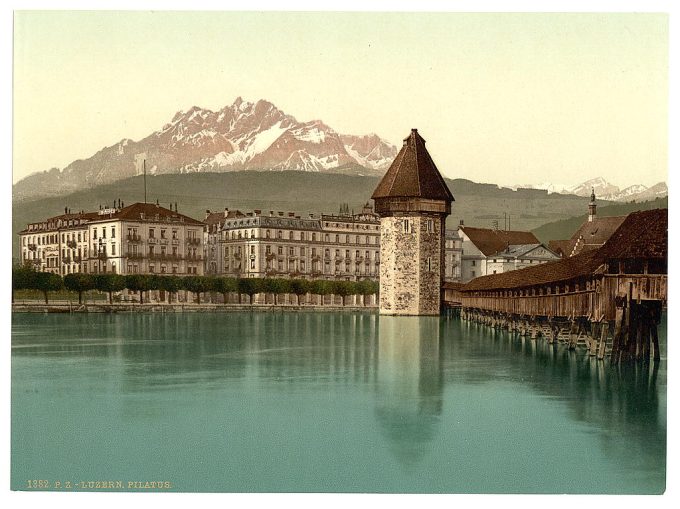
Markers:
point(182, 308)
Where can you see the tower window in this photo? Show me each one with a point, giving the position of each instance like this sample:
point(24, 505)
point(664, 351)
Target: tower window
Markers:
point(407, 226)
point(430, 226)
point(429, 264)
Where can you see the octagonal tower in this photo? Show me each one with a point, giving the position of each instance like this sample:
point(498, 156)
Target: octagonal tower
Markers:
point(413, 201)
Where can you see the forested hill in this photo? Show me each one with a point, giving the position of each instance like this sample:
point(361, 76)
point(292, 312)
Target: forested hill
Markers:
point(303, 192)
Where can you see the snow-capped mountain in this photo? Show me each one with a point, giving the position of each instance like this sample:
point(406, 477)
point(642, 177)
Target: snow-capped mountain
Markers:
point(604, 190)
point(601, 187)
point(240, 136)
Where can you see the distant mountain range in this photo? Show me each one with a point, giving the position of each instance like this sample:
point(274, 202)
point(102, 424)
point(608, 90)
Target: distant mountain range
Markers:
point(255, 136)
point(605, 190)
point(241, 136)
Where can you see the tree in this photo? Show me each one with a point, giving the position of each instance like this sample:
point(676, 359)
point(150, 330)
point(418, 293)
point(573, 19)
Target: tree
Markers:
point(109, 283)
point(343, 288)
point(300, 287)
point(320, 287)
point(23, 278)
point(138, 283)
point(170, 284)
point(79, 282)
point(225, 285)
point(249, 286)
point(367, 287)
point(48, 282)
point(197, 285)
point(276, 286)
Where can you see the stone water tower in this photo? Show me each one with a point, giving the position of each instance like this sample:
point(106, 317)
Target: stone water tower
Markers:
point(413, 201)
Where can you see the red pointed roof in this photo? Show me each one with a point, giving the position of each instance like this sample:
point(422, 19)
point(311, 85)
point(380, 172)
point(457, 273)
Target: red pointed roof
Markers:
point(413, 174)
point(490, 241)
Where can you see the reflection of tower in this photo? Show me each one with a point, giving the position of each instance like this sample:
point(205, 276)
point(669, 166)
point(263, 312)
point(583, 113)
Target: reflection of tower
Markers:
point(409, 390)
point(413, 201)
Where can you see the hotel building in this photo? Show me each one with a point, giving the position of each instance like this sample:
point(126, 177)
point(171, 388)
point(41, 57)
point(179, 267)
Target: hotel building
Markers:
point(139, 238)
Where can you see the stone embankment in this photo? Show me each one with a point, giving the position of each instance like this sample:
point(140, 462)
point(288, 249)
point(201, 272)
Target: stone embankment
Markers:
point(37, 307)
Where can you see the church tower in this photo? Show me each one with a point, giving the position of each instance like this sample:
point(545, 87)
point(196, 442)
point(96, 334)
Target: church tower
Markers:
point(413, 201)
point(592, 206)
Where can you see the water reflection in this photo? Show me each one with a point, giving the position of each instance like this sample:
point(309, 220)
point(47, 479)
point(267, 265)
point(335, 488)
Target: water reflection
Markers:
point(624, 404)
point(370, 392)
point(409, 388)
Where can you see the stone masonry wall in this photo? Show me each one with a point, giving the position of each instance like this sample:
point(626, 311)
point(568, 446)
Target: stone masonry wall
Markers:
point(408, 286)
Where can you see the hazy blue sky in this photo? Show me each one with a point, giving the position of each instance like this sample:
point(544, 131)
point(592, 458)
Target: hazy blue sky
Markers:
point(503, 98)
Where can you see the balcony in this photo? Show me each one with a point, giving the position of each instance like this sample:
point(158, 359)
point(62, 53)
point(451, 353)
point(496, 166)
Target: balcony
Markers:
point(193, 241)
point(135, 256)
point(194, 258)
point(102, 256)
point(134, 238)
point(270, 256)
point(237, 256)
point(66, 259)
point(71, 243)
point(152, 240)
point(32, 247)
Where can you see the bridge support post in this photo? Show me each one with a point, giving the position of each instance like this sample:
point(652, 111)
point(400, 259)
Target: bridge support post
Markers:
point(573, 331)
point(602, 347)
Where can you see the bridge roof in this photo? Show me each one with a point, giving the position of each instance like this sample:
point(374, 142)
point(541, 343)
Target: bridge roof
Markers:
point(580, 265)
point(642, 235)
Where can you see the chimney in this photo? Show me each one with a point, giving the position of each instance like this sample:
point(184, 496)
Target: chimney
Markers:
point(280, 214)
point(65, 210)
point(175, 206)
point(271, 212)
point(257, 212)
point(157, 204)
point(462, 222)
point(291, 214)
point(226, 211)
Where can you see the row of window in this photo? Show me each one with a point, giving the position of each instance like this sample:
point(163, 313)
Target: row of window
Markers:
point(304, 236)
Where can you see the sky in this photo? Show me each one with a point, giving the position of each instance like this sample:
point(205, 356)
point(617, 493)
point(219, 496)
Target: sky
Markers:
point(502, 98)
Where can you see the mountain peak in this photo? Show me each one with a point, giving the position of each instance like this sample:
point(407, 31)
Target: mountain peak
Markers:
point(241, 136)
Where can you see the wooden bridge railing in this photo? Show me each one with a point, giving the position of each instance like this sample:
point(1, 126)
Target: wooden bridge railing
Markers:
point(596, 301)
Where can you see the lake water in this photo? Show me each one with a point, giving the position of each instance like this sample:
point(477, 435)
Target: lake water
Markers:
point(281, 402)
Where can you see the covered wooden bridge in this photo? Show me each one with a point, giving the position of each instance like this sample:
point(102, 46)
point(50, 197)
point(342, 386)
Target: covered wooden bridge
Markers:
point(609, 298)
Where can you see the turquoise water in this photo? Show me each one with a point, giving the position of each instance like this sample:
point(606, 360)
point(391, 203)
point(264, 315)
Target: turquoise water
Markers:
point(325, 402)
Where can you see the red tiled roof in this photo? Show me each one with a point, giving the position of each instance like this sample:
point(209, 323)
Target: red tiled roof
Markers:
point(413, 174)
point(490, 241)
point(559, 246)
point(212, 218)
point(592, 234)
point(149, 212)
point(82, 216)
point(641, 235)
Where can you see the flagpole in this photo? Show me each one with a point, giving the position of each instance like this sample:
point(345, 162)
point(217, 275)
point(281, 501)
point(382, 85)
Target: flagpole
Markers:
point(144, 166)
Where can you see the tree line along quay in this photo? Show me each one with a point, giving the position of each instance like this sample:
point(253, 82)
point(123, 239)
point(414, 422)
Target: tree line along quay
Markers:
point(167, 288)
